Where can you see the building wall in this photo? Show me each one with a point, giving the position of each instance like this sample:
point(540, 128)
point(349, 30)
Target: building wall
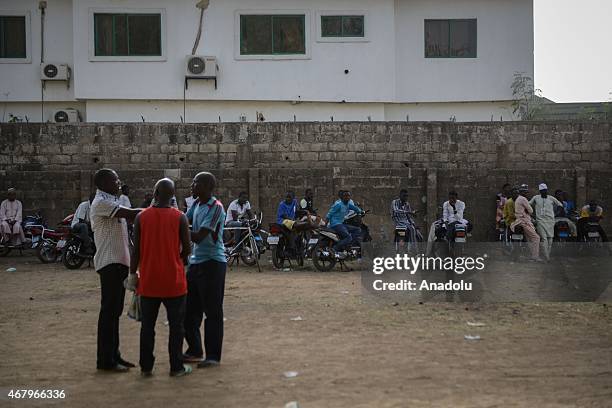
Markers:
point(505, 46)
point(387, 75)
point(49, 163)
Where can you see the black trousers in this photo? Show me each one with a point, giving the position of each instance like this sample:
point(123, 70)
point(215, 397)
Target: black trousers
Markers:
point(111, 307)
point(175, 311)
point(205, 289)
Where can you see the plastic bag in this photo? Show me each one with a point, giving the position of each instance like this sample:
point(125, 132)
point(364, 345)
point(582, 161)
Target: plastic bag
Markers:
point(134, 309)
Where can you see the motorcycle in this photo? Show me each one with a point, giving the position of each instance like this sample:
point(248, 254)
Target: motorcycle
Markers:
point(516, 242)
point(72, 258)
point(323, 255)
point(455, 244)
point(53, 241)
point(562, 232)
point(32, 226)
point(251, 245)
point(401, 237)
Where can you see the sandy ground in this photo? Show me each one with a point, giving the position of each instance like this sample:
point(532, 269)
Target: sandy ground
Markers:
point(350, 349)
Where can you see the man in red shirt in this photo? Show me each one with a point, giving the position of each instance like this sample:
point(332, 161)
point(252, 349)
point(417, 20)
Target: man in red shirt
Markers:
point(161, 245)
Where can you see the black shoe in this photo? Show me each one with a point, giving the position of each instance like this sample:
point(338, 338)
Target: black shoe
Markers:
point(118, 368)
point(208, 363)
point(146, 374)
point(125, 363)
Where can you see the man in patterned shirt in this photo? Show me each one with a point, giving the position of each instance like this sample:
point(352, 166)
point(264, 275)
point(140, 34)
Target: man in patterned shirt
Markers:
point(112, 261)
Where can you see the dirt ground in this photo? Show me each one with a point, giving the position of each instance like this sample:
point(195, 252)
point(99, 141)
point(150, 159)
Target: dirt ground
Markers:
point(350, 349)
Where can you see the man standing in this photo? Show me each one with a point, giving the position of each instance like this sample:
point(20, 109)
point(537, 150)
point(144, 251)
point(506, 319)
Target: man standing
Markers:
point(348, 233)
point(81, 223)
point(206, 275)
point(236, 211)
point(522, 213)
point(544, 206)
point(10, 219)
point(161, 244)
point(401, 214)
point(112, 260)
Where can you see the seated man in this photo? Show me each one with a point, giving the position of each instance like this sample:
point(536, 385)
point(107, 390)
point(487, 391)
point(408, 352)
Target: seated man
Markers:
point(562, 213)
point(591, 213)
point(81, 225)
point(306, 206)
point(452, 214)
point(348, 234)
point(237, 210)
point(401, 214)
point(10, 219)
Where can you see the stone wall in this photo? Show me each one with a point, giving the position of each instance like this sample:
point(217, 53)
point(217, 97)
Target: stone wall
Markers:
point(52, 165)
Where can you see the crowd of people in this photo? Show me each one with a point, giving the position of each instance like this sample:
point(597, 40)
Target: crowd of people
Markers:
point(165, 239)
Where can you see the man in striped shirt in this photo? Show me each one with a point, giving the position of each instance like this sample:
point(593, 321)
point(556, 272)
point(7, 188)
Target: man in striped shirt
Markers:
point(401, 214)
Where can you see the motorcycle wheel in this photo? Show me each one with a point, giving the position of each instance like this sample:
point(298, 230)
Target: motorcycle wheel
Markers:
point(46, 253)
point(247, 257)
point(277, 259)
point(322, 264)
point(71, 259)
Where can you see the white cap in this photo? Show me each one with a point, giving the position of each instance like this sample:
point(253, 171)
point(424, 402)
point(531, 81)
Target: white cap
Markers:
point(542, 187)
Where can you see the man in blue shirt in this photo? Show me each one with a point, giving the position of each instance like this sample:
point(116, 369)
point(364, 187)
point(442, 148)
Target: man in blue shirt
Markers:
point(206, 274)
point(348, 233)
point(286, 210)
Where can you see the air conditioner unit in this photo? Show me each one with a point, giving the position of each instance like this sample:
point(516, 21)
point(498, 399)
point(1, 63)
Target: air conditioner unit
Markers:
point(50, 71)
point(67, 115)
point(197, 66)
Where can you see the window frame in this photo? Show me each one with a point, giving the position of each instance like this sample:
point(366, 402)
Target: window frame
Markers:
point(449, 20)
point(275, 12)
point(126, 58)
point(343, 13)
point(28, 37)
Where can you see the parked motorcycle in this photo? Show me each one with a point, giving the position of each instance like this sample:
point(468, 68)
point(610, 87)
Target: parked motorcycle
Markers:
point(562, 232)
point(72, 257)
point(32, 227)
point(401, 238)
point(454, 245)
point(53, 241)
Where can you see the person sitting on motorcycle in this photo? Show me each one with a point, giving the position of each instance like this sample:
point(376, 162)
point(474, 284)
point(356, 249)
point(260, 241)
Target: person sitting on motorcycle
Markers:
point(562, 214)
point(401, 214)
point(591, 213)
point(237, 210)
point(452, 214)
point(10, 219)
point(348, 233)
point(500, 200)
point(306, 206)
point(81, 226)
point(522, 213)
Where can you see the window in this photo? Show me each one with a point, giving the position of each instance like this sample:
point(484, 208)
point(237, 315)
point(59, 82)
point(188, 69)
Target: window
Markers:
point(13, 37)
point(272, 34)
point(342, 26)
point(127, 34)
point(450, 38)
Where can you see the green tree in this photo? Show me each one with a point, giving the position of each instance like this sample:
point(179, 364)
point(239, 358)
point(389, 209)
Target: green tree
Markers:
point(526, 101)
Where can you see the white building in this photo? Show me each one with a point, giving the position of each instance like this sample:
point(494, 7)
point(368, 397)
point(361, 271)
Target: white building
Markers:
point(304, 60)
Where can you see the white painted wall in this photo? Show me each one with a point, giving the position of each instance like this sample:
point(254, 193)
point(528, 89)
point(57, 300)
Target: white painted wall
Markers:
point(320, 78)
point(505, 46)
point(231, 111)
point(22, 80)
point(388, 78)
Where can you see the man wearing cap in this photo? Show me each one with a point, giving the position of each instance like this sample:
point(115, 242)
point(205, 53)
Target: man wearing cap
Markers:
point(522, 213)
point(10, 219)
point(544, 207)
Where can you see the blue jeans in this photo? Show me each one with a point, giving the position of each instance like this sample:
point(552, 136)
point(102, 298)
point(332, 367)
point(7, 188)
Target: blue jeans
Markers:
point(348, 234)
